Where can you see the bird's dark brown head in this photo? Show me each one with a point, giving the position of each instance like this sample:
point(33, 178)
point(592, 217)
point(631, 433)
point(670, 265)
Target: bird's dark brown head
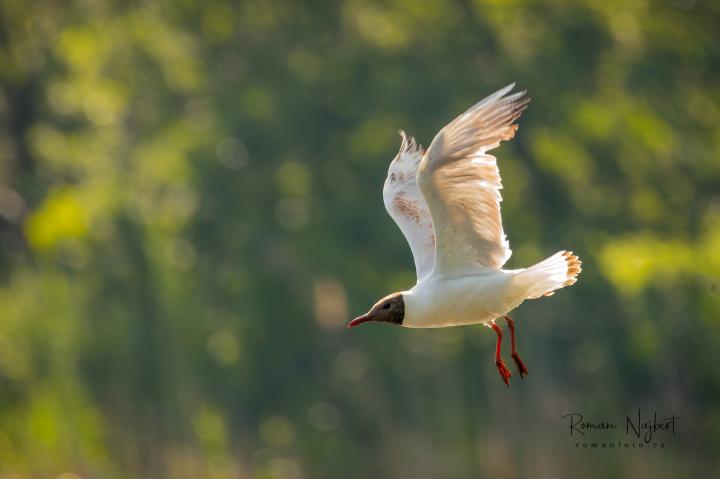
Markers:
point(390, 309)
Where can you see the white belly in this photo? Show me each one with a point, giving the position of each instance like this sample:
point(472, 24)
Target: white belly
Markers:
point(437, 302)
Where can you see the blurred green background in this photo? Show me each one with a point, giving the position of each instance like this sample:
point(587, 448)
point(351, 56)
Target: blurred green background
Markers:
point(190, 212)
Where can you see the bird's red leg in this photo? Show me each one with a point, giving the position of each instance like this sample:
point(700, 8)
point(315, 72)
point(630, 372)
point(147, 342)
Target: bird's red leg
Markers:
point(499, 363)
point(516, 357)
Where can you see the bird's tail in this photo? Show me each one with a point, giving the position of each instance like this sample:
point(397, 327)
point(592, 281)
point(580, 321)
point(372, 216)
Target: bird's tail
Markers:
point(555, 272)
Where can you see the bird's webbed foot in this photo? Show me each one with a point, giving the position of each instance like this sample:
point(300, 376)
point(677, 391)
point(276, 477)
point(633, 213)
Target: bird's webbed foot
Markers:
point(504, 371)
point(499, 363)
point(516, 357)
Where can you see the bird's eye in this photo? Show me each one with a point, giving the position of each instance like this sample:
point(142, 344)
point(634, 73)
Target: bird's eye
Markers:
point(386, 306)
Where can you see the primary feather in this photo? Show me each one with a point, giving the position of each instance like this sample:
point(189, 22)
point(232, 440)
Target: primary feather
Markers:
point(407, 207)
point(461, 184)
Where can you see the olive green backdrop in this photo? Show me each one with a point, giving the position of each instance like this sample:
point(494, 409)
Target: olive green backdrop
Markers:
point(191, 211)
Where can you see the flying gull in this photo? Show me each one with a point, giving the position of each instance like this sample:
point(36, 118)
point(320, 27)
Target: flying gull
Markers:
point(446, 201)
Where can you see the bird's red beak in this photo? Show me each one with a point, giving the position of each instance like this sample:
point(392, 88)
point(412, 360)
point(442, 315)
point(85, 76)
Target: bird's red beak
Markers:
point(359, 320)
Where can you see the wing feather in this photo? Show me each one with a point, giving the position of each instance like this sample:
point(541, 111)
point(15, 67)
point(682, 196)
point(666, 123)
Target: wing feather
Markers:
point(461, 184)
point(407, 207)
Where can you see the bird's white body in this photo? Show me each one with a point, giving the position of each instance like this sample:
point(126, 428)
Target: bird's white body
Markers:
point(446, 201)
point(438, 300)
point(480, 296)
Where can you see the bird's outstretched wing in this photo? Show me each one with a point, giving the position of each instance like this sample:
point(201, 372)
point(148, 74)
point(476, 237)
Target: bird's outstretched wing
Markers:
point(461, 184)
point(406, 205)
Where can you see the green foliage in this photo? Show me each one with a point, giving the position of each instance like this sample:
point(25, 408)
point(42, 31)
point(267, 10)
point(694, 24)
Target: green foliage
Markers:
point(190, 212)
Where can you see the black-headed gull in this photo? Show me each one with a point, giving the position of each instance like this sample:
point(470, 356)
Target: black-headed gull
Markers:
point(446, 201)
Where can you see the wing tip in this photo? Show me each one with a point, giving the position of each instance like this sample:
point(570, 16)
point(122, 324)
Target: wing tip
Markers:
point(409, 144)
point(506, 94)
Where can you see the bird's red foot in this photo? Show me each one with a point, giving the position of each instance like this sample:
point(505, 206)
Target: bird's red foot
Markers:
point(504, 371)
point(499, 363)
point(520, 365)
point(516, 357)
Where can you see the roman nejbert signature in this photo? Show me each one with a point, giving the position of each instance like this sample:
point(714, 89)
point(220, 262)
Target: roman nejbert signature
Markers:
point(641, 427)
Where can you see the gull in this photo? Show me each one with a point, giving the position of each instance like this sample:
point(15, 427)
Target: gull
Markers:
point(446, 202)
